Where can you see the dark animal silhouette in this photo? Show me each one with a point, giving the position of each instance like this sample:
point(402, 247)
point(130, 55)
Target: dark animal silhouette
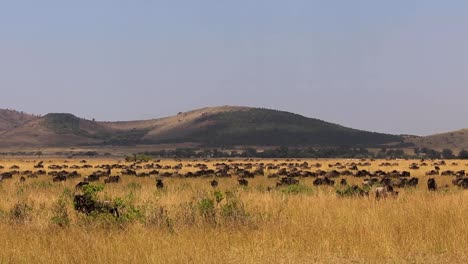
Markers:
point(343, 182)
point(287, 181)
point(59, 178)
point(112, 179)
point(431, 184)
point(243, 182)
point(159, 184)
point(214, 183)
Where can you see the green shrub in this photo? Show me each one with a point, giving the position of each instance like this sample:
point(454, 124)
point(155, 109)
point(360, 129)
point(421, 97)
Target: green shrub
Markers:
point(207, 209)
point(127, 208)
point(60, 212)
point(92, 191)
point(297, 189)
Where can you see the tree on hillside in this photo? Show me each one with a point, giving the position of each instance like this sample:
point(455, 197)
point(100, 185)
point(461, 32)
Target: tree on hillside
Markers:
point(463, 154)
point(447, 154)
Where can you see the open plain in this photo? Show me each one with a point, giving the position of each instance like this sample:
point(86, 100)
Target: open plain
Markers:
point(274, 219)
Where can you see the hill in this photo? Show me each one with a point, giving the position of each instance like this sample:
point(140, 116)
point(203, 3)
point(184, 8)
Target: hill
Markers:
point(264, 127)
point(214, 126)
point(455, 140)
point(10, 119)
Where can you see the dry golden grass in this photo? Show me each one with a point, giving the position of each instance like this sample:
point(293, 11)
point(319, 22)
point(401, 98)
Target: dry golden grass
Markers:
point(311, 227)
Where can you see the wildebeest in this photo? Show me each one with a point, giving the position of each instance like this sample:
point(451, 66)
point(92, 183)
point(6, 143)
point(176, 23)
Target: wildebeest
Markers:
point(461, 182)
point(39, 165)
point(384, 192)
point(112, 179)
point(214, 183)
point(343, 182)
point(323, 181)
point(287, 181)
point(386, 181)
point(159, 184)
point(6, 175)
point(243, 182)
point(431, 184)
point(92, 177)
point(59, 178)
point(22, 179)
point(413, 182)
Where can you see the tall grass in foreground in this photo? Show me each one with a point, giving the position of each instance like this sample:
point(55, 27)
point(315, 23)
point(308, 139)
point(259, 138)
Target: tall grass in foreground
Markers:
point(190, 222)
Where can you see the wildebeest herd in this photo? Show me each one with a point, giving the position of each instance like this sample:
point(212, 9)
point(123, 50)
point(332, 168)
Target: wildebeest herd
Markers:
point(383, 181)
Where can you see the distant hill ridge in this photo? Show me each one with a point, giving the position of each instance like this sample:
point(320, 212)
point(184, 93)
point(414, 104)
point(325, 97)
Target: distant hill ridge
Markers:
point(223, 126)
point(10, 119)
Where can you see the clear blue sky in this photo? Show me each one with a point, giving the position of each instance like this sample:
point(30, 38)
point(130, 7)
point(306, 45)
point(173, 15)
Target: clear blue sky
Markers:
point(397, 66)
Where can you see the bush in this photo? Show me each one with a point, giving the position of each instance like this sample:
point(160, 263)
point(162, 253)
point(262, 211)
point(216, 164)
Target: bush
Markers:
point(222, 208)
point(60, 212)
point(207, 210)
point(127, 208)
point(21, 212)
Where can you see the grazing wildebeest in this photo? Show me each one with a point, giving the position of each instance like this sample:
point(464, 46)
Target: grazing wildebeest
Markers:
point(112, 179)
point(413, 182)
point(243, 182)
point(384, 192)
point(432, 173)
point(385, 181)
point(343, 182)
point(39, 165)
point(431, 184)
point(461, 182)
point(318, 182)
point(7, 175)
point(22, 179)
point(92, 177)
point(323, 181)
point(128, 172)
point(287, 181)
point(59, 178)
point(33, 175)
point(214, 183)
point(159, 184)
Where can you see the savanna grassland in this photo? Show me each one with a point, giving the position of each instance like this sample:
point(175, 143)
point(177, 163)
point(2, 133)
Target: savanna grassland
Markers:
point(189, 221)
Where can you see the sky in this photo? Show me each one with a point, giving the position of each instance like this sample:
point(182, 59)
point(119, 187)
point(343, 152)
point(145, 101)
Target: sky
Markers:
point(397, 66)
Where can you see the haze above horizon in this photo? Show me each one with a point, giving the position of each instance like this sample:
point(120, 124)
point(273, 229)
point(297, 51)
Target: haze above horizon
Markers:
point(393, 67)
